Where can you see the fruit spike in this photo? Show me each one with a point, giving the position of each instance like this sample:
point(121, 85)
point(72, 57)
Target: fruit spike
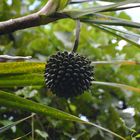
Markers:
point(68, 74)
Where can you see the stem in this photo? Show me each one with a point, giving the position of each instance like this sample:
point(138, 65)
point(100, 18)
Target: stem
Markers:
point(71, 112)
point(32, 124)
point(77, 37)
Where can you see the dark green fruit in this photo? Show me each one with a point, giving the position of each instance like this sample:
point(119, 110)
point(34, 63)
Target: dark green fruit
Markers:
point(68, 74)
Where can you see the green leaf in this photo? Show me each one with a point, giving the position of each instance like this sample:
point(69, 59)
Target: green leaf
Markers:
point(21, 67)
point(12, 80)
point(121, 35)
point(43, 134)
point(21, 74)
point(83, 12)
point(114, 9)
point(10, 100)
point(121, 86)
point(122, 8)
point(63, 4)
point(138, 136)
point(19, 138)
point(109, 20)
point(2, 129)
point(116, 62)
point(80, 1)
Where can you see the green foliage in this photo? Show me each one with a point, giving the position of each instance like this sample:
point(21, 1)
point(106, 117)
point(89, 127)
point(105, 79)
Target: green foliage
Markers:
point(106, 106)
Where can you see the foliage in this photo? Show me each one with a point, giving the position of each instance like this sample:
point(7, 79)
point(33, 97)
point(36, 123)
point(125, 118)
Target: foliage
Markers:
point(112, 108)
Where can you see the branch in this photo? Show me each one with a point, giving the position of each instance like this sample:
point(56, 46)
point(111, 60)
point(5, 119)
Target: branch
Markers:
point(46, 15)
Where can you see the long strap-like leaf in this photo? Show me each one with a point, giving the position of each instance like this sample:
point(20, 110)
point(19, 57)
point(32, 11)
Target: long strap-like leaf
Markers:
point(121, 36)
point(4, 128)
point(121, 86)
point(21, 67)
point(109, 20)
point(83, 12)
point(11, 100)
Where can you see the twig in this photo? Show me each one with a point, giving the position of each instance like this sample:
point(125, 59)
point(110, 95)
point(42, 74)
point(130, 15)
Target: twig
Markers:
point(77, 36)
point(22, 136)
point(40, 123)
point(32, 124)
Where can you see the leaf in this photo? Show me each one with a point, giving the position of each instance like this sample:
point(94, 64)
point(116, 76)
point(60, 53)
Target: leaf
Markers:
point(43, 134)
point(114, 9)
point(2, 129)
point(108, 20)
point(63, 4)
point(79, 1)
point(83, 12)
point(121, 86)
point(19, 138)
point(121, 8)
point(121, 36)
point(21, 74)
point(138, 136)
point(116, 62)
point(10, 100)
point(20, 80)
point(126, 35)
point(21, 67)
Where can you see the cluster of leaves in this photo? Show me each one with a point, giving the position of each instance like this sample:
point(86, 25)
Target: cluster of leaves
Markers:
point(106, 106)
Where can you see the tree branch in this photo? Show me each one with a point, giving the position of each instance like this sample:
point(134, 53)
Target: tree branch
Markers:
point(46, 15)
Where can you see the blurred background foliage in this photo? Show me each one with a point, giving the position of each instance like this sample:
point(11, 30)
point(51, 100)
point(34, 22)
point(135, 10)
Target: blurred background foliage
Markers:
point(112, 108)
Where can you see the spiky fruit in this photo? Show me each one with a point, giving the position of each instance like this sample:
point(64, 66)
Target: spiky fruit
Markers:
point(68, 74)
